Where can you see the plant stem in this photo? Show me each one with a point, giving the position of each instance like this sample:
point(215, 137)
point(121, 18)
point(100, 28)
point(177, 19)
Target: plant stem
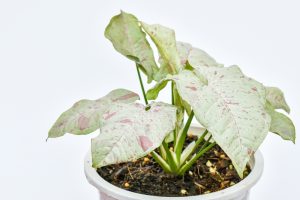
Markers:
point(205, 143)
point(161, 162)
point(173, 103)
point(141, 83)
point(162, 152)
point(171, 164)
point(174, 165)
point(188, 165)
point(172, 92)
point(181, 138)
point(183, 158)
point(164, 149)
point(200, 139)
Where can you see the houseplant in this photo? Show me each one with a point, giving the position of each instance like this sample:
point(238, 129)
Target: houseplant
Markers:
point(235, 111)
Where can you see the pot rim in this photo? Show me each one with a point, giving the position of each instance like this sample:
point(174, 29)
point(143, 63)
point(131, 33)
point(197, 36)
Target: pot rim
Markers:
point(243, 186)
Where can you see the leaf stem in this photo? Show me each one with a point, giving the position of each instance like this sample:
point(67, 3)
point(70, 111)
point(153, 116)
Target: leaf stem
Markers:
point(141, 83)
point(162, 152)
point(181, 138)
point(201, 138)
point(165, 152)
point(173, 103)
point(197, 143)
point(185, 167)
point(172, 91)
point(173, 163)
point(205, 143)
point(161, 162)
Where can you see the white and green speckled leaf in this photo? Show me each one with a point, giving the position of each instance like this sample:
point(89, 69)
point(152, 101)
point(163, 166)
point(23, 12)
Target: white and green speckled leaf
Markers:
point(184, 50)
point(128, 39)
point(195, 56)
point(231, 106)
point(281, 124)
point(276, 98)
point(84, 116)
point(197, 59)
point(164, 39)
point(129, 131)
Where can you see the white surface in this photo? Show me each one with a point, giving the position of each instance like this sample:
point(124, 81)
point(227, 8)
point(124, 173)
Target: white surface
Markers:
point(53, 53)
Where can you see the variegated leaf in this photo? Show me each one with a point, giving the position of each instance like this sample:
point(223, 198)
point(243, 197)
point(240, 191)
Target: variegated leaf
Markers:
point(128, 39)
point(230, 106)
point(129, 131)
point(84, 116)
point(184, 50)
point(281, 124)
point(197, 59)
point(164, 39)
point(276, 98)
point(195, 56)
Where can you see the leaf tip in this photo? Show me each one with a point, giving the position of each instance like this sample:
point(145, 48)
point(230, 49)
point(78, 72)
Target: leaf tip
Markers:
point(54, 132)
point(294, 139)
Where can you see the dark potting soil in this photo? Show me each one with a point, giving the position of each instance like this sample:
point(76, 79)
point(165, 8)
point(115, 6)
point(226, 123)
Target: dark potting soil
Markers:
point(212, 172)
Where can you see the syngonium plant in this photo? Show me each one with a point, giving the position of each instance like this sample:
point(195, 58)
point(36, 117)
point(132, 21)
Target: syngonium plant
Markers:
point(236, 111)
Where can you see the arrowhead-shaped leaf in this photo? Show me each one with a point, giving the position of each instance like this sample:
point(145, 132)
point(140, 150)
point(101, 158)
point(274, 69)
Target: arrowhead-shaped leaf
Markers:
point(195, 56)
point(164, 39)
point(84, 116)
point(128, 39)
point(276, 98)
point(231, 106)
point(129, 131)
point(281, 124)
point(197, 59)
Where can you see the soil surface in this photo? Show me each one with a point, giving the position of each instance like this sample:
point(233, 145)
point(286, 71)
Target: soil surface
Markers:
point(212, 172)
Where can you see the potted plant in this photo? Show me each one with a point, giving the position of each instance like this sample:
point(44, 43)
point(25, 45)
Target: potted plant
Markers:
point(148, 151)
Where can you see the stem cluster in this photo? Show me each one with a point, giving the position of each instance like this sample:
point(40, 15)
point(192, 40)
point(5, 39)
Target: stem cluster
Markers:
point(173, 157)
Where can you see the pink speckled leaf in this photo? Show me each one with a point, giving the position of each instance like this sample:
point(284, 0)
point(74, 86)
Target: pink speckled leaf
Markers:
point(164, 39)
point(230, 105)
point(195, 56)
point(276, 98)
point(281, 124)
point(128, 39)
point(83, 117)
point(132, 132)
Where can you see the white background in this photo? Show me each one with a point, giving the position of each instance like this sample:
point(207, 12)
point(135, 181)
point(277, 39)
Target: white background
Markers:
point(53, 53)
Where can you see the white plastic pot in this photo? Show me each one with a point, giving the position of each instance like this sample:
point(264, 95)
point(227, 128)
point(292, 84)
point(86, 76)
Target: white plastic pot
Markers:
point(239, 191)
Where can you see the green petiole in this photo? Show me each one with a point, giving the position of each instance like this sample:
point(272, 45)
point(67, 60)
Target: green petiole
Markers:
point(182, 136)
